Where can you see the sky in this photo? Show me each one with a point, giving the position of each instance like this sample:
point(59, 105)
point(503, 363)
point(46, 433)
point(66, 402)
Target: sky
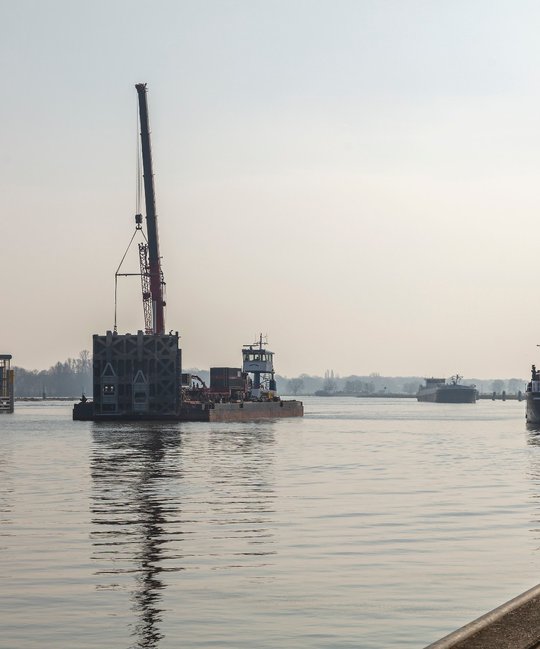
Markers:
point(357, 179)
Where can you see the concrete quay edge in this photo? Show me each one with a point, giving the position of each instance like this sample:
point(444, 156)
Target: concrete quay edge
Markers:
point(513, 625)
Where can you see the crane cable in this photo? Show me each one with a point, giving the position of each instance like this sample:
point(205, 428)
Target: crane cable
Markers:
point(116, 275)
point(138, 194)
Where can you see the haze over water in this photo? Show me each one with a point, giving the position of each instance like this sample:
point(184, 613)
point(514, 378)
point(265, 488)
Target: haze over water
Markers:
point(369, 523)
point(373, 161)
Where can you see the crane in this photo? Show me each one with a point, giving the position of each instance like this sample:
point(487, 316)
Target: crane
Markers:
point(150, 261)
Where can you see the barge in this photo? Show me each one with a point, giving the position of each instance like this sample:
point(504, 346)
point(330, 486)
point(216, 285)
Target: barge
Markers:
point(138, 377)
point(439, 391)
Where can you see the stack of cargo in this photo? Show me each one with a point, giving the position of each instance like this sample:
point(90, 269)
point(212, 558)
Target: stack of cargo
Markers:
point(228, 381)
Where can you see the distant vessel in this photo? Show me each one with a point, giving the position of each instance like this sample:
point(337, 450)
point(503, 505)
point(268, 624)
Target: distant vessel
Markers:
point(532, 394)
point(439, 391)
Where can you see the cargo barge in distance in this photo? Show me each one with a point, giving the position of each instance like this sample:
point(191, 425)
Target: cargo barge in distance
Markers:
point(138, 377)
point(439, 391)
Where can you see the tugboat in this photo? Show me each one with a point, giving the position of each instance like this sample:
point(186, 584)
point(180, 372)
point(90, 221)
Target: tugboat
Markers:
point(237, 394)
point(138, 377)
point(439, 391)
point(532, 394)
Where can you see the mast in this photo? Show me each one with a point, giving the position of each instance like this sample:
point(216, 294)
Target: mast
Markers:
point(154, 260)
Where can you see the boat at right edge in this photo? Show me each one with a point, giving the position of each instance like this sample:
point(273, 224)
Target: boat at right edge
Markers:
point(532, 395)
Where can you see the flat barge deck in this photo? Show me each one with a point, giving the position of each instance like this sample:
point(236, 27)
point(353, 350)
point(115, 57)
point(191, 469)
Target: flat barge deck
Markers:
point(196, 411)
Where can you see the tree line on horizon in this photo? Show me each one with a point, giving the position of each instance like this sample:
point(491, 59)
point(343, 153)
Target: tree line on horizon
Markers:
point(73, 377)
point(374, 383)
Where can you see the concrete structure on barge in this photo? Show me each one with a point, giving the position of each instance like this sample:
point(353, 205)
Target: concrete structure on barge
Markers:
point(136, 374)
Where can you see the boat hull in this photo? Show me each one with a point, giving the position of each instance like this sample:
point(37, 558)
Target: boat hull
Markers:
point(532, 412)
point(448, 394)
point(242, 411)
point(199, 411)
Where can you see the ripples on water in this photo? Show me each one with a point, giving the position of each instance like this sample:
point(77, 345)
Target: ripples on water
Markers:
point(369, 523)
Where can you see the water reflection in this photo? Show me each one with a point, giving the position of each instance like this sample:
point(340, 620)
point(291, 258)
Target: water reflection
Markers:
point(132, 515)
point(167, 501)
point(533, 440)
point(534, 431)
point(533, 434)
point(6, 496)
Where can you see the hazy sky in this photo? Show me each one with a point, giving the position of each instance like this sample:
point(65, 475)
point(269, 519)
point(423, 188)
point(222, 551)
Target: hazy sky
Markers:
point(359, 179)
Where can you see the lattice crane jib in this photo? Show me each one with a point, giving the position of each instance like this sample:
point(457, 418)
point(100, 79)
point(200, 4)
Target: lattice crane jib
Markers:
point(145, 286)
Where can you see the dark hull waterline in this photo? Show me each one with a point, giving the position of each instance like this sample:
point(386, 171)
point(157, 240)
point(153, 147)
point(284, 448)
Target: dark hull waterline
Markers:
point(242, 411)
point(448, 394)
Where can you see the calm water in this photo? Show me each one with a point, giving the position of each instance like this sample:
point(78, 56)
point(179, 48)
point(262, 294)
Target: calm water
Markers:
point(369, 523)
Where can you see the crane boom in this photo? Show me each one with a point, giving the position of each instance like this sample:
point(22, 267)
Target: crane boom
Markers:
point(154, 260)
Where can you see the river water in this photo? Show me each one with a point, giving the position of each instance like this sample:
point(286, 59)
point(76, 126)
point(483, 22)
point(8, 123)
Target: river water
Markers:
point(369, 523)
